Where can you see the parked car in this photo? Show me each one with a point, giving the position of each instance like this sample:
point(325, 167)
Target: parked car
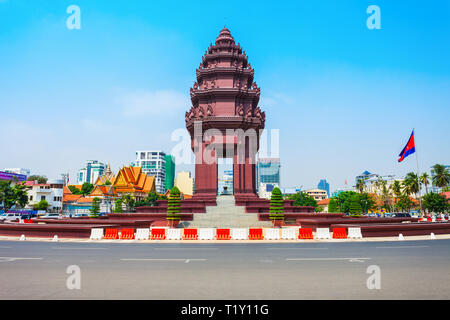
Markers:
point(51, 216)
point(10, 216)
point(402, 215)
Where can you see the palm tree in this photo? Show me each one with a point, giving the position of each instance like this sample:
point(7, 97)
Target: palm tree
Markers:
point(441, 176)
point(411, 183)
point(424, 179)
point(360, 185)
point(396, 188)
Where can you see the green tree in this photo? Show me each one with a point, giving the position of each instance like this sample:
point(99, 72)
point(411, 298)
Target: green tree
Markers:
point(441, 176)
point(276, 209)
point(425, 180)
point(13, 195)
point(343, 200)
point(303, 199)
point(411, 184)
point(174, 205)
point(129, 202)
point(41, 205)
point(355, 205)
point(118, 206)
point(332, 206)
point(95, 210)
point(436, 203)
point(318, 209)
point(367, 202)
point(107, 183)
point(404, 203)
point(360, 185)
point(86, 188)
point(74, 189)
point(39, 179)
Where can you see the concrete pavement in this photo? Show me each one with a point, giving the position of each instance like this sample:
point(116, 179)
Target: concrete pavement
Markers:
point(315, 270)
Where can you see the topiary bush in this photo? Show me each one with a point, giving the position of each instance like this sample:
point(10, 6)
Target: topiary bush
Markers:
point(174, 205)
point(276, 209)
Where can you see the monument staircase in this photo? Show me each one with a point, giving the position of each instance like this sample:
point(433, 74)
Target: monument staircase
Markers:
point(226, 215)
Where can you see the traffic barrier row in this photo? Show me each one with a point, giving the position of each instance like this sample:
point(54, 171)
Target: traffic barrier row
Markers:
point(339, 233)
point(190, 234)
point(289, 233)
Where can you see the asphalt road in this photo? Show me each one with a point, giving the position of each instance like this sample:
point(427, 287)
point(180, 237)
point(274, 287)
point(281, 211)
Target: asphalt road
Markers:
point(408, 270)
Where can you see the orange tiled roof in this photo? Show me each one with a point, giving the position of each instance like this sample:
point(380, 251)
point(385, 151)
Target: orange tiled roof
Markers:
point(85, 200)
point(71, 197)
point(324, 202)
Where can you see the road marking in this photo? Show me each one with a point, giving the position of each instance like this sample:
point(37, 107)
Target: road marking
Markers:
point(10, 259)
point(297, 248)
point(69, 248)
point(185, 260)
point(2, 247)
point(402, 247)
point(329, 259)
point(191, 248)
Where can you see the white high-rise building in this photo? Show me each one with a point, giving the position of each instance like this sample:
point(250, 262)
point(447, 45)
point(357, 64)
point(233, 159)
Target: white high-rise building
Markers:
point(91, 172)
point(153, 163)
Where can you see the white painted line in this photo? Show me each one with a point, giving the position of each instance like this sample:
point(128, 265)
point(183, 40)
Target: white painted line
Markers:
point(10, 259)
point(329, 259)
point(2, 247)
point(69, 248)
point(181, 248)
point(297, 248)
point(402, 247)
point(185, 260)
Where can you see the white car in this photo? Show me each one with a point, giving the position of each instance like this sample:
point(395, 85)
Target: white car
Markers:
point(51, 216)
point(10, 216)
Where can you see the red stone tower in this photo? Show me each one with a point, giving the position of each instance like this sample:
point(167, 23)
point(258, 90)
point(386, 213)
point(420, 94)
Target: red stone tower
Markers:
point(225, 120)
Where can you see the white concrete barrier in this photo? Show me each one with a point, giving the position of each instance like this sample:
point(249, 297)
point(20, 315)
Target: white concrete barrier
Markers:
point(400, 237)
point(96, 234)
point(323, 233)
point(432, 236)
point(206, 233)
point(55, 238)
point(289, 233)
point(173, 234)
point(22, 238)
point(239, 233)
point(272, 234)
point(142, 234)
point(354, 233)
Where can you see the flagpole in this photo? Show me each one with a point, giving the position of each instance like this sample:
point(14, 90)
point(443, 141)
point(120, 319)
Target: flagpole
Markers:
point(418, 179)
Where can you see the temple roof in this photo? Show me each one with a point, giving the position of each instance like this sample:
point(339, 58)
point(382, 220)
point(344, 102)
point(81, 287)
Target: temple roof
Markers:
point(225, 34)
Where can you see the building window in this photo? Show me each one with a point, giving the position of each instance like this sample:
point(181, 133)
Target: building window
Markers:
point(42, 198)
point(31, 198)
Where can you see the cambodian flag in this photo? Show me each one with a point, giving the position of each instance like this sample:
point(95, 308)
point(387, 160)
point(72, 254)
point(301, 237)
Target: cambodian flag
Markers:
point(410, 148)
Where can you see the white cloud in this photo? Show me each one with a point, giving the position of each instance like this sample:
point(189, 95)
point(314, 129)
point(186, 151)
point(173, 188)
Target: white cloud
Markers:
point(158, 103)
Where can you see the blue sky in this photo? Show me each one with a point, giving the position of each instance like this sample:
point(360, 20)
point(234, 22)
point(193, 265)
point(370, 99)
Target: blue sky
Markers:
point(344, 97)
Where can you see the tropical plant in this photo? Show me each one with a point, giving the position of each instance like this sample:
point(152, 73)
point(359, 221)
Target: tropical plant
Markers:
point(74, 190)
point(86, 188)
point(303, 199)
point(396, 188)
point(174, 205)
point(332, 206)
point(411, 184)
point(41, 205)
point(404, 203)
point(13, 195)
point(129, 202)
point(441, 176)
point(436, 203)
point(360, 185)
point(95, 210)
point(355, 205)
point(318, 209)
point(39, 179)
point(425, 180)
point(276, 209)
point(118, 206)
point(367, 201)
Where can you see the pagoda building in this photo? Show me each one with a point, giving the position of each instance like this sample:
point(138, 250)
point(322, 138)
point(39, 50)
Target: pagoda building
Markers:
point(224, 97)
point(107, 176)
point(133, 181)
